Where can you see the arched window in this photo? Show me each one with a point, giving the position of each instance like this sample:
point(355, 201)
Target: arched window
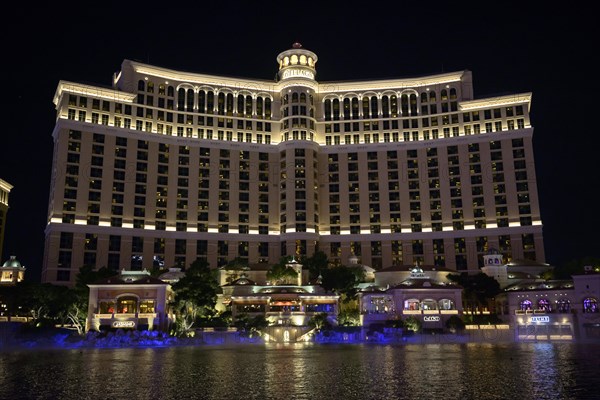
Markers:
point(365, 107)
point(150, 87)
point(240, 104)
point(170, 91)
point(385, 106)
point(412, 304)
point(327, 110)
point(295, 97)
point(248, 111)
point(590, 305)
point(180, 99)
point(302, 97)
point(161, 89)
point(210, 102)
point(221, 103)
point(413, 104)
point(374, 107)
point(424, 97)
point(346, 108)
point(229, 104)
point(432, 96)
point(190, 100)
point(444, 95)
point(544, 305)
point(446, 304)
point(404, 104)
point(525, 305)
point(355, 113)
point(336, 109)
point(259, 107)
point(285, 99)
point(563, 306)
point(429, 304)
point(268, 108)
point(141, 85)
point(452, 94)
point(127, 304)
point(202, 101)
point(394, 106)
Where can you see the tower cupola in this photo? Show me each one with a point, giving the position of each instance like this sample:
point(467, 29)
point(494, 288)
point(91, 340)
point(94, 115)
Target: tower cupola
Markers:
point(297, 62)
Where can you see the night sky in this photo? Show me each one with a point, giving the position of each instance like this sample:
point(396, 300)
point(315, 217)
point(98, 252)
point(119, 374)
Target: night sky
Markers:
point(510, 48)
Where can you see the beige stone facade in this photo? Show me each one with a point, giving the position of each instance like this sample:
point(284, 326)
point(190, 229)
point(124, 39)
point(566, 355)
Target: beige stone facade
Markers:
point(166, 166)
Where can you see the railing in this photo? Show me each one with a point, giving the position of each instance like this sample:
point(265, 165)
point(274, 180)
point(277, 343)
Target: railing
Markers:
point(429, 312)
point(16, 319)
point(541, 311)
point(124, 315)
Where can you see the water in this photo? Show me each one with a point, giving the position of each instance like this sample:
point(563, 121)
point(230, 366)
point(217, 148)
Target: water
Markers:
point(309, 371)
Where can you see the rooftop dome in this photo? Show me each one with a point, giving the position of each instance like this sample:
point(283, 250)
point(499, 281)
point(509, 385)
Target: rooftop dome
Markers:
point(297, 63)
point(12, 263)
point(243, 281)
point(172, 276)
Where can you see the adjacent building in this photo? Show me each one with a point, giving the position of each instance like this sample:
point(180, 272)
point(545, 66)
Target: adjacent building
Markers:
point(12, 272)
point(399, 293)
point(129, 300)
point(5, 189)
point(166, 166)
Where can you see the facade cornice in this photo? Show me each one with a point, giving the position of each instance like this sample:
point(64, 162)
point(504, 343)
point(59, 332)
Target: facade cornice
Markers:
point(498, 101)
point(91, 91)
point(253, 85)
point(392, 84)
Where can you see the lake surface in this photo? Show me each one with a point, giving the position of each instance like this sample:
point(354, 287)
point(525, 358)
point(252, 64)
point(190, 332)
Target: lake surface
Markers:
point(307, 371)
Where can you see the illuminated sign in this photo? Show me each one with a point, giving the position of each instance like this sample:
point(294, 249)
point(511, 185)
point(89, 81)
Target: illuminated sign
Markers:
point(540, 319)
point(297, 73)
point(123, 324)
point(431, 318)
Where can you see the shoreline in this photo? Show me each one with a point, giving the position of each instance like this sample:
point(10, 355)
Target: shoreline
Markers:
point(60, 338)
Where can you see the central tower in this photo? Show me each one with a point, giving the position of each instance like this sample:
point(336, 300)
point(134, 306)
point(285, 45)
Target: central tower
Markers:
point(298, 185)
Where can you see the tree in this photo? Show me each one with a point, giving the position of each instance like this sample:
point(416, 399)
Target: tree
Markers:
point(319, 322)
point(574, 267)
point(412, 323)
point(250, 327)
point(281, 274)
point(478, 290)
point(77, 298)
point(343, 280)
point(46, 303)
point(349, 314)
point(315, 264)
point(455, 324)
point(238, 263)
point(195, 295)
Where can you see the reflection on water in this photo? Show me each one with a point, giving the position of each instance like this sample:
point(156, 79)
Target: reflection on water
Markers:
point(306, 371)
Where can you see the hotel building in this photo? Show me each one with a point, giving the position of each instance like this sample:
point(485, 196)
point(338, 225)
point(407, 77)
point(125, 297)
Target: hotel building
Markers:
point(166, 166)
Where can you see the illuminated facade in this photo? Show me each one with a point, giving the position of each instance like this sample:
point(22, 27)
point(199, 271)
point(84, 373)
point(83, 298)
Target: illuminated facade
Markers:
point(290, 303)
point(168, 166)
point(5, 188)
point(130, 300)
point(398, 293)
point(12, 272)
point(541, 309)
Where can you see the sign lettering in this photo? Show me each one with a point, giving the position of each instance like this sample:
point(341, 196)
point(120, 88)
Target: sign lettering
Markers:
point(297, 73)
point(123, 324)
point(544, 318)
point(431, 318)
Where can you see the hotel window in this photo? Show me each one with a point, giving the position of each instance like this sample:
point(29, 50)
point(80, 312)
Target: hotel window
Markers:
point(590, 305)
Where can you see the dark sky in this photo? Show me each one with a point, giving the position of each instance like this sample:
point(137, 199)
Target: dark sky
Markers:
point(510, 48)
